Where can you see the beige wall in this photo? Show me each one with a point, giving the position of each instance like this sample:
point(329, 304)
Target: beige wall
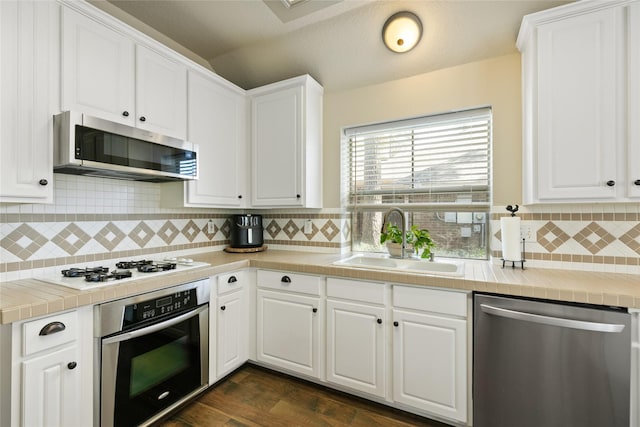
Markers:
point(494, 82)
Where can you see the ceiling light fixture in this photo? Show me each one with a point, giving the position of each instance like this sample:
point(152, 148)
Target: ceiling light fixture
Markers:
point(402, 32)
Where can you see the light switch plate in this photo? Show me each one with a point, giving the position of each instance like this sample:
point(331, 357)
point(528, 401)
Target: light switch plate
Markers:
point(308, 227)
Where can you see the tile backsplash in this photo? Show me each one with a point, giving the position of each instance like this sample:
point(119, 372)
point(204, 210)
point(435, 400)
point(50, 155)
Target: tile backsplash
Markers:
point(96, 219)
point(602, 238)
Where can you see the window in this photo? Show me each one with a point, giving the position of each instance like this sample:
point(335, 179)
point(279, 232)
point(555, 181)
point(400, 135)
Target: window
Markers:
point(436, 168)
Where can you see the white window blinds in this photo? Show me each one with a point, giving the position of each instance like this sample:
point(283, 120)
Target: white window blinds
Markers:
point(429, 160)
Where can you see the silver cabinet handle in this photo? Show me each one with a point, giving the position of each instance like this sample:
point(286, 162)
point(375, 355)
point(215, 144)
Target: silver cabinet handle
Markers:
point(553, 321)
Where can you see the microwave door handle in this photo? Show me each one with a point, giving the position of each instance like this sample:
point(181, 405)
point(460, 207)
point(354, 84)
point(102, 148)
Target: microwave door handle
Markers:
point(154, 328)
point(552, 321)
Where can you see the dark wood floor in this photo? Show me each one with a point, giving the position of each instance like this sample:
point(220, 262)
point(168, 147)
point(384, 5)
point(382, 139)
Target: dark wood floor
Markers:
point(253, 396)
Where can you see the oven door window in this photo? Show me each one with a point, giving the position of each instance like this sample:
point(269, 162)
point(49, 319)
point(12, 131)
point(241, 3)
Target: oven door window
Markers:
point(156, 370)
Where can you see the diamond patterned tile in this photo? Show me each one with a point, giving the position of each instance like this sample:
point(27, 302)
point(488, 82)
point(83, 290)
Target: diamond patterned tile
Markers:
point(273, 229)
point(330, 230)
point(290, 229)
point(71, 239)
point(550, 236)
point(205, 231)
point(141, 234)
point(191, 230)
point(110, 236)
point(632, 239)
point(346, 231)
point(23, 242)
point(168, 232)
point(594, 238)
point(226, 229)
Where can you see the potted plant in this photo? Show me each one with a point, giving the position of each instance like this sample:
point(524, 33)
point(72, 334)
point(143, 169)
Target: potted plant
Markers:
point(416, 239)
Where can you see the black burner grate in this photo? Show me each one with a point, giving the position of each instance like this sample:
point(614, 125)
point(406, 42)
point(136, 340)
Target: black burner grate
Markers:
point(153, 268)
point(79, 272)
point(133, 264)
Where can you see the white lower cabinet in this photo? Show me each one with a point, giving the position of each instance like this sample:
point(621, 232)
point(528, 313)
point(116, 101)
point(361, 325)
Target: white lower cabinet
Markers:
point(430, 351)
point(288, 331)
point(49, 389)
point(229, 320)
point(51, 365)
point(289, 318)
point(357, 327)
point(406, 346)
point(429, 365)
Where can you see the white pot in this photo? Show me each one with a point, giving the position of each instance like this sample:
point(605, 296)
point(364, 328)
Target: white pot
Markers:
point(395, 249)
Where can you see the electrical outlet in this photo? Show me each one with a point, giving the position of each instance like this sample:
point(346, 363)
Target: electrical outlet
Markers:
point(527, 233)
point(210, 226)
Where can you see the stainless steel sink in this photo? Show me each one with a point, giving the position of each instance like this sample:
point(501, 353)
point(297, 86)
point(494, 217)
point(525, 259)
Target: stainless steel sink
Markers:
point(407, 265)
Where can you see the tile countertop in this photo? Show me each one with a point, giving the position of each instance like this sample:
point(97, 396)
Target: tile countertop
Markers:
point(27, 298)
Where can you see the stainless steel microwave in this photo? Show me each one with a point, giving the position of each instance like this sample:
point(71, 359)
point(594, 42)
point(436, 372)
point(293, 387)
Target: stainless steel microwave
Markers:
point(87, 145)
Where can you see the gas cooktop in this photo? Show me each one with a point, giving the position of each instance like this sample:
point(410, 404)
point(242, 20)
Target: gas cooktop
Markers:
point(84, 278)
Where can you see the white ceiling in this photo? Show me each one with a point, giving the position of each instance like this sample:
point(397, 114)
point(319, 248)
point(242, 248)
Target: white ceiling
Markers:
point(340, 45)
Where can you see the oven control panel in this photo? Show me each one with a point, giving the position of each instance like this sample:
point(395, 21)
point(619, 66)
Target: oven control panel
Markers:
point(158, 307)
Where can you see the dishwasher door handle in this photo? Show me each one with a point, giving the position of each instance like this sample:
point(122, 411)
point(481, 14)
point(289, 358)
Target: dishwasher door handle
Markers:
point(553, 321)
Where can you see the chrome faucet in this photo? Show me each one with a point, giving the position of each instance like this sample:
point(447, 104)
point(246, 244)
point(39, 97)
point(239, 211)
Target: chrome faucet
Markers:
point(404, 227)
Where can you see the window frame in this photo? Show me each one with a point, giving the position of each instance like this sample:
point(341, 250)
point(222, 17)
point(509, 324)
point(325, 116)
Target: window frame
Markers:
point(354, 202)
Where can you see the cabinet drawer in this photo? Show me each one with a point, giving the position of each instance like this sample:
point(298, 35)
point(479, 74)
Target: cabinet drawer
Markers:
point(432, 300)
point(230, 282)
point(289, 282)
point(49, 332)
point(356, 290)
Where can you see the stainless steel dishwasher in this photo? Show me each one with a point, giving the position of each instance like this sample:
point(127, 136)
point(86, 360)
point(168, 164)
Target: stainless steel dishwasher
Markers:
point(541, 364)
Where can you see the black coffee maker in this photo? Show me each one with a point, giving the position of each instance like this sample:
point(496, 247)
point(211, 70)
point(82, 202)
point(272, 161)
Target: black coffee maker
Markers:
point(246, 231)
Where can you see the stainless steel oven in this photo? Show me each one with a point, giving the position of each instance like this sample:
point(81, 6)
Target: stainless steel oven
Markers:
point(153, 353)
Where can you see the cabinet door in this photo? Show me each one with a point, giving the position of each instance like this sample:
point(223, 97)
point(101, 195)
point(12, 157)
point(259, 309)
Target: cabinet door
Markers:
point(51, 389)
point(161, 94)
point(579, 104)
point(288, 331)
point(217, 121)
point(28, 48)
point(633, 40)
point(356, 346)
point(429, 365)
point(276, 135)
point(232, 332)
point(97, 69)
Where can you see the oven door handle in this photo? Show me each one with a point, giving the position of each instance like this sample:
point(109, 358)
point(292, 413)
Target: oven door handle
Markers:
point(154, 328)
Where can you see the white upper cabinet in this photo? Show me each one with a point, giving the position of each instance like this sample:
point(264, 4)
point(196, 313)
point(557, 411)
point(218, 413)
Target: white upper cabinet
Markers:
point(575, 110)
point(107, 74)
point(28, 85)
point(161, 93)
point(633, 115)
point(98, 69)
point(286, 144)
point(217, 123)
